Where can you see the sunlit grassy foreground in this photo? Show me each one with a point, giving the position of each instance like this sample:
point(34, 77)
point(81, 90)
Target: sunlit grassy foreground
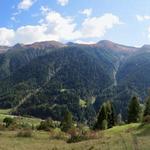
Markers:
point(5, 113)
point(127, 137)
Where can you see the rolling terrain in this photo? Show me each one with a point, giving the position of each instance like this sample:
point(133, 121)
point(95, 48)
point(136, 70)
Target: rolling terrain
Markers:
point(117, 138)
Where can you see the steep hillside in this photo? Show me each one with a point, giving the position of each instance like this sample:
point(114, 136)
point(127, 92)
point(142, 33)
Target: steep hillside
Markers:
point(64, 77)
point(43, 79)
point(135, 71)
point(132, 79)
point(20, 55)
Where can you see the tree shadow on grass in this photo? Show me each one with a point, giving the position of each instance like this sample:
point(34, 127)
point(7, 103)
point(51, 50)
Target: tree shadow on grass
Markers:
point(144, 130)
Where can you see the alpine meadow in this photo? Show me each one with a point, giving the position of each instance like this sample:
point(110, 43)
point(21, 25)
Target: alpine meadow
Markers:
point(63, 87)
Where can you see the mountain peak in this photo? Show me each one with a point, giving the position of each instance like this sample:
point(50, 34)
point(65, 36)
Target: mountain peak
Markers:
point(18, 45)
point(116, 47)
point(105, 42)
point(45, 44)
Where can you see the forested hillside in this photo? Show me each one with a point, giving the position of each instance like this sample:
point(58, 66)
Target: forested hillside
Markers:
point(45, 79)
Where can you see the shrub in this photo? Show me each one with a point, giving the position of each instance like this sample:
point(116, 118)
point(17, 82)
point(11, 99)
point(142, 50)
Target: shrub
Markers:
point(66, 123)
point(146, 119)
point(77, 135)
point(74, 132)
point(26, 126)
point(13, 126)
point(83, 128)
point(8, 121)
point(77, 138)
point(25, 133)
point(92, 135)
point(2, 127)
point(46, 125)
point(58, 134)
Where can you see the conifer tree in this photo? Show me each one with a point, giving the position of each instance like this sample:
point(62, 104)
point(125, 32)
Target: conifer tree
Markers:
point(111, 118)
point(119, 119)
point(147, 107)
point(106, 117)
point(102, 116)
point(66, 123)
point(134, 110)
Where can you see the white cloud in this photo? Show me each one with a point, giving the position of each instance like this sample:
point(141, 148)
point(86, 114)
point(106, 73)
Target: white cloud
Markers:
point(55, 26)
point(84, 42)
point(149, 32)
point(96, 27)
point(29, 34)
point(44, 9)
point(26, 4)
point(6, 36)
point(87, 12)
point(142, 18)
point(63, 2)
point(63, 27)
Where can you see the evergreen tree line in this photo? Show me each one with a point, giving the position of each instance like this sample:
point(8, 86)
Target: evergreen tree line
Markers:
point(107, 117)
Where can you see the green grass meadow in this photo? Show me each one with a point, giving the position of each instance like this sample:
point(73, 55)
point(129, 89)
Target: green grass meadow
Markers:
point(125, 137)
point(130, 137)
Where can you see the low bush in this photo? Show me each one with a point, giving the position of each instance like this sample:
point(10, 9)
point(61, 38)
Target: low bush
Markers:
point(74, 131)
point(8, 121)
point(146, 119)
point(92, 135)
point(26, 126)
point(58, 134)
point(25, 133)
point(13, 126)
point(78, 135)
point(46, 125)
point(2, 127)
point(77, 138)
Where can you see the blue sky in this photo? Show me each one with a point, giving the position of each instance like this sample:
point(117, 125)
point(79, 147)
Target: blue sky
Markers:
point(83, 21)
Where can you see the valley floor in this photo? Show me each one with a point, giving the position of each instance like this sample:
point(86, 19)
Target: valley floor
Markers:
point(127, 137)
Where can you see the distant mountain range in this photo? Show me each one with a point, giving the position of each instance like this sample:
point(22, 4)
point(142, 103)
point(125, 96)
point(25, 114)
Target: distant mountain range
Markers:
point(45, 78)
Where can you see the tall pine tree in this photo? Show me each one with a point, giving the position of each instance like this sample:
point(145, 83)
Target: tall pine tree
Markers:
point(111, 117)
point(106, 117)
point(134, 110)
point(66, 124)
point(101, 117)
point(147, 107)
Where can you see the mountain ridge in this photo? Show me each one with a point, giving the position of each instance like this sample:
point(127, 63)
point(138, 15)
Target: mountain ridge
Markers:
point(103, 43)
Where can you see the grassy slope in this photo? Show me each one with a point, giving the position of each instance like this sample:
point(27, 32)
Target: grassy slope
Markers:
point(126, 137)
point(5, 113)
